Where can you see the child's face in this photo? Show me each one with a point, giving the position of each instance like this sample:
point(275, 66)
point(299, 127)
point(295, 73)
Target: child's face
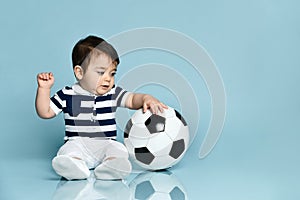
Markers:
point(99, 78)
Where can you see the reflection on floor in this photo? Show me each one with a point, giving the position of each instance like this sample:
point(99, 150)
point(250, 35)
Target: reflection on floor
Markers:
point(225, 175)
point(163, 185)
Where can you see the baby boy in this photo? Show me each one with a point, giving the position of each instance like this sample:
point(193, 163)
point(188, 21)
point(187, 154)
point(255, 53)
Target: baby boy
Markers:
point(89, 108)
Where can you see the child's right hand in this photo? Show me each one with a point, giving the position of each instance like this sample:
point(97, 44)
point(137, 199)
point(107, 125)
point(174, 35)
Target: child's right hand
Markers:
point(45, 80)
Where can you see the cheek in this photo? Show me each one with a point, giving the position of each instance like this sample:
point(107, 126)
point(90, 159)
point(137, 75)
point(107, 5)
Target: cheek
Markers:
point(92, 80)
point(98, 80)
point(112, 81)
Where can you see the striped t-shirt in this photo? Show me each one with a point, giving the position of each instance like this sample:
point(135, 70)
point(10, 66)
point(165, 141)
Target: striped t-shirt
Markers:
point(86, 114)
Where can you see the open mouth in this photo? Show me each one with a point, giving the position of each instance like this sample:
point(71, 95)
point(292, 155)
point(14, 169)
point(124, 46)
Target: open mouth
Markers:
point(105, 87)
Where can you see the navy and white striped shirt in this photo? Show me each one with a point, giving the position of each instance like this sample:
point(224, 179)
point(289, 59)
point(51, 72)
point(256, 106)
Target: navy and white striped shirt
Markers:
point(86, 114)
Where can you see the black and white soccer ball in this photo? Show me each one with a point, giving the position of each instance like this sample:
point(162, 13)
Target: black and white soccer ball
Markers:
point(157, 186)
point(156, 141)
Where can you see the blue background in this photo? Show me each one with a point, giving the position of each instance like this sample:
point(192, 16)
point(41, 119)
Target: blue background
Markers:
point(255, 45)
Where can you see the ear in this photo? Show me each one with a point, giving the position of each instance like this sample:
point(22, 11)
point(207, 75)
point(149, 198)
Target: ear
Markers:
point(78, 71)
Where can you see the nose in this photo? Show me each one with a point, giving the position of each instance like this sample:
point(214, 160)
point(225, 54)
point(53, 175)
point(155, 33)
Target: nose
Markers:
point(106, 77)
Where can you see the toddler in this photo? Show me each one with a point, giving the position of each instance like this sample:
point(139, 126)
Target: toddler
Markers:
point(89, 108)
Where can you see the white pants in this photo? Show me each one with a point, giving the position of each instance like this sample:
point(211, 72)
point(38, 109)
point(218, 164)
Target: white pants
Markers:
point(93, 150)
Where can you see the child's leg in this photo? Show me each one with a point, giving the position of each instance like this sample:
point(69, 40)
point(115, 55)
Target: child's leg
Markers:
point(70, 162)
point(115, 165)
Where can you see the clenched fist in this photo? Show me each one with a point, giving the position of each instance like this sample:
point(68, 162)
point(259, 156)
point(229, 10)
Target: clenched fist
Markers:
point(45, 80)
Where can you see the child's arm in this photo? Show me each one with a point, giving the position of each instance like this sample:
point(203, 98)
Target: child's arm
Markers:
point(42, 101)
point(145, 101)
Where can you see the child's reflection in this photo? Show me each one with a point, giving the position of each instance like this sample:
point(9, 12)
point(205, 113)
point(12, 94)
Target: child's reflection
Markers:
point(146, 185)
point(91, 189)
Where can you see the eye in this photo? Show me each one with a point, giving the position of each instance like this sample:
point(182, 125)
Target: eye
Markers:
point(113, 73)
point(101, 72)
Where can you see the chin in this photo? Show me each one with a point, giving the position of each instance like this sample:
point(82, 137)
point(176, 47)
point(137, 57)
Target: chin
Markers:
point(102, 92)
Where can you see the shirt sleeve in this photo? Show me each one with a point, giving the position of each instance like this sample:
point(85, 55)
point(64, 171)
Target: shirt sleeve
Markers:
point(56, 102)
point(121, 96)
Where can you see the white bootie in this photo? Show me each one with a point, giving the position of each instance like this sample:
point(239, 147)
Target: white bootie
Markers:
point(113, 169)
point(70, 168)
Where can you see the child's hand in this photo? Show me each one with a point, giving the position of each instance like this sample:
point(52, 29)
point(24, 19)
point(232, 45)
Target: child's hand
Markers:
point(154, 104)
point(45, 80)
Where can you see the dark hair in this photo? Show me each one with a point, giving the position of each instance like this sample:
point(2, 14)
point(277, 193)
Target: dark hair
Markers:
point(85, 48)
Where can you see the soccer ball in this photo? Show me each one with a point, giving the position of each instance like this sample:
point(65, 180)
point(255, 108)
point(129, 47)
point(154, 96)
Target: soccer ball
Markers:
point(156, 141)
point(156, 186)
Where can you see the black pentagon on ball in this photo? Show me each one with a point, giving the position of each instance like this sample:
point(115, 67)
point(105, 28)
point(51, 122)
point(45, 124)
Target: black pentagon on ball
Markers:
point(178, 115)
point(177, 149)
point(177, 193)
point(155, 123)
point(144, 190)
point(127, 128)
point(143, 155)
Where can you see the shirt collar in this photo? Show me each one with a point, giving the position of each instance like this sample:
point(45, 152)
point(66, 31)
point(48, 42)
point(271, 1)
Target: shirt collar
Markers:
point(79, 90)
